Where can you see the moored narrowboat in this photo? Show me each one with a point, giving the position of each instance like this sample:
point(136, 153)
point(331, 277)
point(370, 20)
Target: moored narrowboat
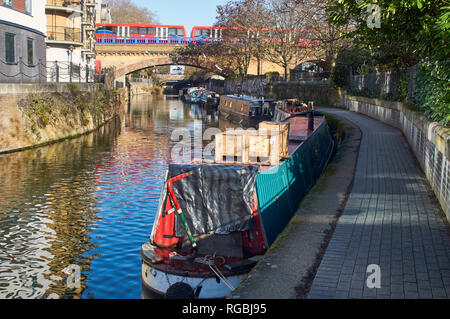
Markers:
point(246, 110)
point(193, 95)
point(215, 220)
point(209, 99)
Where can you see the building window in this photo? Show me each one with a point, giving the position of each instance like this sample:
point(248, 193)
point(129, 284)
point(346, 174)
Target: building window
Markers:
point(30, 58)
point(28, 6)
point(10, 48)
point(8, 3)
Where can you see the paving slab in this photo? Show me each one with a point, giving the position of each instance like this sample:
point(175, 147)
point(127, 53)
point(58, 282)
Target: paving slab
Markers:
point(390, 219)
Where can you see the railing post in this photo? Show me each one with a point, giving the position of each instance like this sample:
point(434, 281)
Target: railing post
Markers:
point(21, 69)
point(39, 71)
point(70, 72)
point(79, 72)
point(311, 116)
point(57, 71)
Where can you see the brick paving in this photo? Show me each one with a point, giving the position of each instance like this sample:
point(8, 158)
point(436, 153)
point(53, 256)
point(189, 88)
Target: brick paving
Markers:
point(389, 220)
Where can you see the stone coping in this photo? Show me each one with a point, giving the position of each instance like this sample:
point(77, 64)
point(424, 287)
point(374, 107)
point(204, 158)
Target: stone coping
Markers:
point(26, 88)
point(436, 133)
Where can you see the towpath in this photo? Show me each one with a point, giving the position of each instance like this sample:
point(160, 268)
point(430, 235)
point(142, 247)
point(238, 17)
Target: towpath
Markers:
point(389, 220)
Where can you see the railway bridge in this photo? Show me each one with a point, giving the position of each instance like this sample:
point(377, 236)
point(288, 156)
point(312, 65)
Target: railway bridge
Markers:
point(131, 56)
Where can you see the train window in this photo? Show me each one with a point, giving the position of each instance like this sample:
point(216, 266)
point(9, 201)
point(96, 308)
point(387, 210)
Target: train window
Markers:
point(142, 30)
point(180, 32)
point(133, 30)
point(202, 33)
point(151, 31)
point(172, 31)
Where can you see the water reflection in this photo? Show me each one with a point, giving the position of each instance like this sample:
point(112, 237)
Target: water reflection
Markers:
point(47, 204)
point(88, 202)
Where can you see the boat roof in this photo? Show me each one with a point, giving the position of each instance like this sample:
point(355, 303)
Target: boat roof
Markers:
point(249, 98)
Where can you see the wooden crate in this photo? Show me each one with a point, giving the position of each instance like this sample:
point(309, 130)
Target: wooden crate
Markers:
point(233, 143)
point(268, 145)
point(278, 130)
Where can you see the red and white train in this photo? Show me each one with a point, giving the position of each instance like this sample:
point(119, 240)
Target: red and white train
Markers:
point(146, 33)
point(140, 30)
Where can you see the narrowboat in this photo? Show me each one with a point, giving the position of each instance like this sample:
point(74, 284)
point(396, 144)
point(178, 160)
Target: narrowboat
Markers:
point(216, 219)
point(193, 95)
point(209, 99)
point(246, 109)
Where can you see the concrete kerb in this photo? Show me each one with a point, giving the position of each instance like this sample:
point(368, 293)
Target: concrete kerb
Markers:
point(288, 268)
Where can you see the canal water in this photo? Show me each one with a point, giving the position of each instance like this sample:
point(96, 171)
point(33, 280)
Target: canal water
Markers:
point(73, 215)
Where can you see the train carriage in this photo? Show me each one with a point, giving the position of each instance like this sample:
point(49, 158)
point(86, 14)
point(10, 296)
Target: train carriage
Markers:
point(216, 33)
point(140, 30)
point(117, 33)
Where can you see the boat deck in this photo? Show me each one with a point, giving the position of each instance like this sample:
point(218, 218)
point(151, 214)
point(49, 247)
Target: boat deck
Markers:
point(298, 130)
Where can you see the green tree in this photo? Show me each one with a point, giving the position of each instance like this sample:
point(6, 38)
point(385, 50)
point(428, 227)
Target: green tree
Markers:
point(408, 31)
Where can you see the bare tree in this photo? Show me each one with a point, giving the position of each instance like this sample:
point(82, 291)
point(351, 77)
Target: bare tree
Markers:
point(209, 56)
point(239, 45)
point(330, 37)
point(125, 11)
point(289, 22)
point(244, 20)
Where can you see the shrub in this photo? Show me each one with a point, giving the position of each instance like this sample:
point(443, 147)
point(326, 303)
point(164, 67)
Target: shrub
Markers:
point(432, 94)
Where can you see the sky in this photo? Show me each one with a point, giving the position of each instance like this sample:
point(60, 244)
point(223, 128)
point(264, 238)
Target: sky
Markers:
point(183, 12)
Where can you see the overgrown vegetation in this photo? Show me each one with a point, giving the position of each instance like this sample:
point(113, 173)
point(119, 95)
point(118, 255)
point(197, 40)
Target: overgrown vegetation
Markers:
point(410, 32)
point(432, 94)
point(73, 108)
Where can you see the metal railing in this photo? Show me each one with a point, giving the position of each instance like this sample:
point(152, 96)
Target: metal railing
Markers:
point(51, 71)
point(155, 40)
point(58, 71)
point(22, 72)
point(182, 41)
point(61, 33)
point(62, 3)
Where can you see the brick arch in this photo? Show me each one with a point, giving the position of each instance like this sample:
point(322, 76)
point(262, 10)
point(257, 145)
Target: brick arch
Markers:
point(144, 64)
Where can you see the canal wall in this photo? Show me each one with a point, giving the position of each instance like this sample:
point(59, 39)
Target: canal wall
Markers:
point(318, 91)
point(429, 141)
point(38, 114)
point(137, 88)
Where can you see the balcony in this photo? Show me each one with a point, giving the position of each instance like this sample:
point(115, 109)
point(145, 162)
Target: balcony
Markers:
point(64, 5)
point(64, 35)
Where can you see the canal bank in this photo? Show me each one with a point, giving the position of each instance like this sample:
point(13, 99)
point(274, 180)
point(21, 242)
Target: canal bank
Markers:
point(288, 267)
point(33, 115)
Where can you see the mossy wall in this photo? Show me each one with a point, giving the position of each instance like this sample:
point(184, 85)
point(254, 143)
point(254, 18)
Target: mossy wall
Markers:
point(322, 94)
point(33, 119)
